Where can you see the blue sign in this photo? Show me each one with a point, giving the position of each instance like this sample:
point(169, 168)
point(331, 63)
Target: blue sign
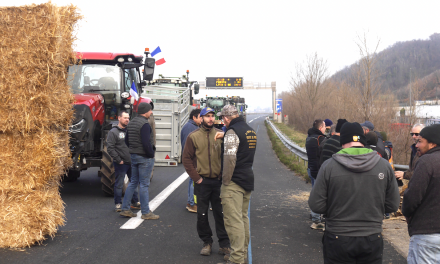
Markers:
point(279, 105)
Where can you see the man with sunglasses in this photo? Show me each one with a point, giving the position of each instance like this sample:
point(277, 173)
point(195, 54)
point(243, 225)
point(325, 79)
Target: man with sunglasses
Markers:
point(406, 175)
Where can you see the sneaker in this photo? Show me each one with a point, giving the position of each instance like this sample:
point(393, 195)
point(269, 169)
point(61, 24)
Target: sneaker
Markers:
point(386, 216)
point(150, 216)
point(206, 250)
point(136, 206)
point(192, 208)
point(318, 225)
point(128, 213)
point(118, 207)
point(224, 251)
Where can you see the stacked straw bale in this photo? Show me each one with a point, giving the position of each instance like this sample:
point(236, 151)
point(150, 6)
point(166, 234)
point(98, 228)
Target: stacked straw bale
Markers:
point(35, 113)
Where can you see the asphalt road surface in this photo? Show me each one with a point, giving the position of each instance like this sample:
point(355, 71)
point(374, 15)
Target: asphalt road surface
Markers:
point(279, 217)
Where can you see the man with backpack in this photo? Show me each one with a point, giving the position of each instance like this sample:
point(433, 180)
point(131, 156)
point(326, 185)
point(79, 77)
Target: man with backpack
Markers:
point(313, 141)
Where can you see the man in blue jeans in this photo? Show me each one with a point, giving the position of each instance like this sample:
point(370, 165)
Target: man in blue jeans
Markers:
point(141, 147)
point(193, 123)
point(120, 154)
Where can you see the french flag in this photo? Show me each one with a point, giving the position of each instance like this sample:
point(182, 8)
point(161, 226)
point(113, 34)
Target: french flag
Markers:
point(134, 92)
point(156, 51)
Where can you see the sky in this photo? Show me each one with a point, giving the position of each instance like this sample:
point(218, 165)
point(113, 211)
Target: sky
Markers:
point(261, 41)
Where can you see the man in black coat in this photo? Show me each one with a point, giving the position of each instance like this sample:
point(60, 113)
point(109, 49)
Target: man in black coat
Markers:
point(421, 200)
point(314, 139)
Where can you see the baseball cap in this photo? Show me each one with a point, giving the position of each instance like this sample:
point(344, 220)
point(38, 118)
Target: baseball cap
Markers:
point(228, 110)
point(206, 110)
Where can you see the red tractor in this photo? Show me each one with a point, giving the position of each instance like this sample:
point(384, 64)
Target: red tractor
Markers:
point(101, 83)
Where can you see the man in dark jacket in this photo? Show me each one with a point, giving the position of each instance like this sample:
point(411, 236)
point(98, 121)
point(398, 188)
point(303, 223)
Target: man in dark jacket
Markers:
point(120, 154)
point(140, 144)
point(354, 189)
point(380, 147)
point(332, 145)
point(193, 123)
point(202, 159)
point(421, 200)
point(240, 142)
point(313, 141)
point(406, 176)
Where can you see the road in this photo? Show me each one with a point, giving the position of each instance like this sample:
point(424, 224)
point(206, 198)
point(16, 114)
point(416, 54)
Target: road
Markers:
point(279, 219)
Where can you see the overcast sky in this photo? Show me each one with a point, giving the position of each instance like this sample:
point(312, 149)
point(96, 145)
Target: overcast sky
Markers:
point(260, 41)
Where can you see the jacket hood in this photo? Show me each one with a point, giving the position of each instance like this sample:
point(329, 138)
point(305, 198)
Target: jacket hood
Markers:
point(357, 159)
point(314, 131)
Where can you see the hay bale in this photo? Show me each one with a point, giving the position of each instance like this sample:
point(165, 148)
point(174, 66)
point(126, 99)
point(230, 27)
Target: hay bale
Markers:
point(35, 51)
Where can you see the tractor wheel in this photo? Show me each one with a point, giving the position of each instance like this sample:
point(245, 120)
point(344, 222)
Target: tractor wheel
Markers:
point(71, 176)
point(107, 173)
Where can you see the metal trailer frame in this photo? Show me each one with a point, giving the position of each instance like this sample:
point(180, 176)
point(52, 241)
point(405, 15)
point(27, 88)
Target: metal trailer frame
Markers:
point(171, 112)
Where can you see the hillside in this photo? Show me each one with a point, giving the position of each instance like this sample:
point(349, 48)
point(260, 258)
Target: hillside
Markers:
point(394, 64)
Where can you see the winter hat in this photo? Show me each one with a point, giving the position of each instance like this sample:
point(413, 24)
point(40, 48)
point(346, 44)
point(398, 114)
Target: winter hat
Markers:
point(328, 122)
point(371, 138)
point(352, 132)
point(431, 133)
point(143, 108)
point(339, 125)
point(368, 125)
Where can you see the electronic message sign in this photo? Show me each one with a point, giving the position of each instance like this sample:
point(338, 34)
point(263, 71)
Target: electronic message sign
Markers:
point(226, 82)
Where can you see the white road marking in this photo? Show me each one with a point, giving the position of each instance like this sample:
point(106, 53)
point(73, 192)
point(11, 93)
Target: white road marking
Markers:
point(254, 119)
point(134, 222)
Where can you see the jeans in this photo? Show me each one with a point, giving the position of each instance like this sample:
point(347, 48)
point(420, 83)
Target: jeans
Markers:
point(209, 191)
point(424, 249)
point(191, 192)
point(141, 169)
point(315, 217)
point(120, 171)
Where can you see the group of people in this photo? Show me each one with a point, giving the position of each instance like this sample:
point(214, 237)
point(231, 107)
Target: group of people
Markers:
point(219, 165)
point(354, 186)
point(218, 162)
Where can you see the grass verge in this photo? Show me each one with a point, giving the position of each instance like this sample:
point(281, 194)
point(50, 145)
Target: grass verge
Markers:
point(297, 137)
point(286, 156)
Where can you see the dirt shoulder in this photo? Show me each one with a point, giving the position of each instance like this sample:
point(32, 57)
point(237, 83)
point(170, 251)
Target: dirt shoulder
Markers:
point(395, 231)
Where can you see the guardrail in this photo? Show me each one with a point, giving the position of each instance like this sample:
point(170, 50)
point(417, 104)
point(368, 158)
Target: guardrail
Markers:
point(301, 153)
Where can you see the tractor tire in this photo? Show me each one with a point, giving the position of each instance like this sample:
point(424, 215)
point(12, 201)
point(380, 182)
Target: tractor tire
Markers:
point(107, 173)
point(71, 176)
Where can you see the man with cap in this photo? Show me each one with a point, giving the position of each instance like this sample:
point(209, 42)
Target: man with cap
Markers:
point(240, 142)
point(380, 146)
point(202, 159)
point(332, 145)
point(328, 124)
point(141, 147)
point(421, 200)
point(354, 189)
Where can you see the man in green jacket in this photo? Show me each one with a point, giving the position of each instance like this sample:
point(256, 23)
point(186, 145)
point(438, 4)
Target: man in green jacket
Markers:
point(202, 161)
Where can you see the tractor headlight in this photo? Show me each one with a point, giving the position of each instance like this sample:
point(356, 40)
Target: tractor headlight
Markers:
point(125, 95)
point(78, 127)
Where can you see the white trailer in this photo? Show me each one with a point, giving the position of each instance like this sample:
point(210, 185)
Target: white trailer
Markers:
point(171, 111)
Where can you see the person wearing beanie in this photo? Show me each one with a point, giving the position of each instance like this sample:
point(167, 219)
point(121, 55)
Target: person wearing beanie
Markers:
point(354, 189)
point(332, 145)
point(328, 124)
point(141, 148)
point(421, 200)
point(314, 140)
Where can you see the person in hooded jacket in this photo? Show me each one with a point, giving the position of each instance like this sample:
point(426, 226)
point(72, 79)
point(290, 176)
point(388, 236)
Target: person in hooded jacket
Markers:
point(314, 140)
point(380, 146)
point(353, 190)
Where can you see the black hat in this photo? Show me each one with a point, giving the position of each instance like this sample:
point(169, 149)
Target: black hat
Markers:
point(371, 138)
point(431, 133)
point(143, 108)
point(339, 124)
point(352, 132)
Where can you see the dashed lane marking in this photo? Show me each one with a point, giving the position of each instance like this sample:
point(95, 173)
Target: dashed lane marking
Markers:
point(254, 119)
point(134, 222)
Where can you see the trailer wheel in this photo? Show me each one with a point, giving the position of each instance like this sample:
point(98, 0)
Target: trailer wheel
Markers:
point(107, 173)
point(71, 176)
